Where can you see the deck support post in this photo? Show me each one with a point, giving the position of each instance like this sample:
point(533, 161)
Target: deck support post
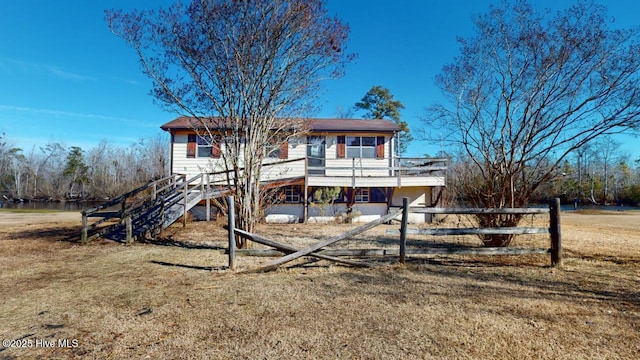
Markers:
point(231, 222)
point(305, 207)
point(207, 197)
point(353, 173)
point(403, 229)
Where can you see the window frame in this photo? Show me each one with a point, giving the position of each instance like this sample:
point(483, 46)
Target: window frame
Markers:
point(371, 149)
point(291, 195)
point(362, 195)
point(204, 142)
point(272, 151)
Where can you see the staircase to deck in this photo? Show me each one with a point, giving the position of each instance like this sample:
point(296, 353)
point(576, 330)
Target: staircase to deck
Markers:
point(145, 211)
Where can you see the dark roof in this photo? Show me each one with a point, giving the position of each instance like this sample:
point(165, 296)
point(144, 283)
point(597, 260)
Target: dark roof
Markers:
point(351, 125)
point(314, 125)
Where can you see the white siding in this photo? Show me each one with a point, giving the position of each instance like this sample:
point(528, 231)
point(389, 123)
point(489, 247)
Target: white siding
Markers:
point(340, 173)
point(287, 209)
point(297, 149)
point(191, 166)
point(332, 147)
point(418, 196)
point(197, 165)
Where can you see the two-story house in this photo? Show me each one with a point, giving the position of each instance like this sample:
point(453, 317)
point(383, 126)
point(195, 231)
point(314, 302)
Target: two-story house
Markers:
point(337, 167)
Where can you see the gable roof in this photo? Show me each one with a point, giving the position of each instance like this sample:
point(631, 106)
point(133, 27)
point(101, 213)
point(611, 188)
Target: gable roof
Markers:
point(313, 124)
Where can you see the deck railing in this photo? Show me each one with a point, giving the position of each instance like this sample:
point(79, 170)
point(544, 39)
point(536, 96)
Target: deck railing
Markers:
point(345, 168)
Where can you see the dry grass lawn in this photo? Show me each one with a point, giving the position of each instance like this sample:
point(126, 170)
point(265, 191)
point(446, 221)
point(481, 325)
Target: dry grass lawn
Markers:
point(175, 298)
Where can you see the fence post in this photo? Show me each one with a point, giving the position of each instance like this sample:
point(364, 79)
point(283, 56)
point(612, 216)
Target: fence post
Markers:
point(85, 229)
point(556, 237)
point(231, 217)
point(403, 229)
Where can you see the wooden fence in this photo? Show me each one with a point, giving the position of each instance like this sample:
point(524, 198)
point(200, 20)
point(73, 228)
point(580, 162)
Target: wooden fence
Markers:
point(317, 251)
point(555, 249)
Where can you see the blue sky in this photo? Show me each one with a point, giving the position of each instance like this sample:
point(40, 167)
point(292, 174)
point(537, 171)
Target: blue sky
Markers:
point(65, 77)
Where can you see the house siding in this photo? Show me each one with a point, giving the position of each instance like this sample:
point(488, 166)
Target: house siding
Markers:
point(339, 171)
point(296, 150)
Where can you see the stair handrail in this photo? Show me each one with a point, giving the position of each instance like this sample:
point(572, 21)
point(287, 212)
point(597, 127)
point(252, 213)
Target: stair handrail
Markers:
point(122, 199)
point(124, 196)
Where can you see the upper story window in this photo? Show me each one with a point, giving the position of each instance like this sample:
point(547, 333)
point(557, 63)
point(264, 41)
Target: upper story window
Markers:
point(276, 150)
point(205, 146)
point(202, 146)
point(272, 151)
point(361, 146)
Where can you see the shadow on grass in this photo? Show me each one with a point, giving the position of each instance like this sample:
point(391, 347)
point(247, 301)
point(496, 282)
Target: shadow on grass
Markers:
point(181, 244)
point(618, 260)
point(490, 281)
point(50, 233)
point(194, 267)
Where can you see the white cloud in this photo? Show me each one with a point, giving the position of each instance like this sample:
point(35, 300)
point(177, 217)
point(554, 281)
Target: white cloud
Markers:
point(6, 64)
point(60, 113)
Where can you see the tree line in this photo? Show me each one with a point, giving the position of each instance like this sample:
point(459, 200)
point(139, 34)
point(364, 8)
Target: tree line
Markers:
point(55, 172)
point(596, 174)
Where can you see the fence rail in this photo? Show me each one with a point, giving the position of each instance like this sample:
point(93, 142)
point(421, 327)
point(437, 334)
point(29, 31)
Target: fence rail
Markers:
point(555, 248)
point(318, 250)
point(476, 231)
point(472, 211)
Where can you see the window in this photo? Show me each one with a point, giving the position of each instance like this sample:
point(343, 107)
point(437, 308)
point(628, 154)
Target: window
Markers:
point(272, 151)
point(205, 146)
point(278, 150)
point(361, 146)
point(202, 146)
point(362, 196)
point(378, 195)
point(291, 195)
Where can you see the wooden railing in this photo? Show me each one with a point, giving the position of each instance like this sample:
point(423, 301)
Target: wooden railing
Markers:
point(400, 166)
point(129, 204)
point(174, 189)
point(351, 168)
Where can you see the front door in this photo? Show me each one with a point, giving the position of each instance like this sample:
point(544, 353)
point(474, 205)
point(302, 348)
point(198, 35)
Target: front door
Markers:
point(316, 153)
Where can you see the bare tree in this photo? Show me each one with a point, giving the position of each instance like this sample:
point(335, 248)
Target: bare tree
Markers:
point(609, 151)
point(154, 156)
point(18, 170)
point(38, 162)
point(5, 163)
point(248, 63)
point(528, 90)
